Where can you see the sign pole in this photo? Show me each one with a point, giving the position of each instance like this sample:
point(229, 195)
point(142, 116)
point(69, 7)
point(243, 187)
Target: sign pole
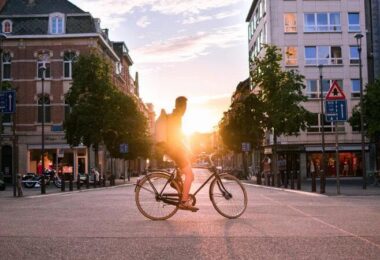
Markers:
point(337, 158)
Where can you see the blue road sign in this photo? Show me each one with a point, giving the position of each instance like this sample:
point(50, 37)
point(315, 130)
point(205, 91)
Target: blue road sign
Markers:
point(8, 101)
point(245, 147)
point(123, 148)
point(336, 110)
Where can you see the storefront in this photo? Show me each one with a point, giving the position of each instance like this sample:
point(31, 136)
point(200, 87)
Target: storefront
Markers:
point(349, 160)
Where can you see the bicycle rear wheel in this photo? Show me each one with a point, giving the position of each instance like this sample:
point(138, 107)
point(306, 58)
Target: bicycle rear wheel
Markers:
point(228, 196)
point(149, 201)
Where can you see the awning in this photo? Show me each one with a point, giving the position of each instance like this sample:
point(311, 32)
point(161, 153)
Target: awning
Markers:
point(53, 146)
point(330, 148)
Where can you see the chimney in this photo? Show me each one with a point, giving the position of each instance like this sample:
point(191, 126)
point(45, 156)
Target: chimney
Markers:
point(2, 4)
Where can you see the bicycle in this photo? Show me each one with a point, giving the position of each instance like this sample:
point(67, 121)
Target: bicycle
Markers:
point(158, 194)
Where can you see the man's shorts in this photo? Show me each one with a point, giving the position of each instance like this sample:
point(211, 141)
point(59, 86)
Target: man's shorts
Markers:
point(180, 155)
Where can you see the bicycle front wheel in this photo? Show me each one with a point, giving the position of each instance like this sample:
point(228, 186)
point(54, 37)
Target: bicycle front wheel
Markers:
point(228, 196)
point(155, 198)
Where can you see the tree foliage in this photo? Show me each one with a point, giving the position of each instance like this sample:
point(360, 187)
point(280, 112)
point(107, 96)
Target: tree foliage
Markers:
point(371, 101)
point(101, 114)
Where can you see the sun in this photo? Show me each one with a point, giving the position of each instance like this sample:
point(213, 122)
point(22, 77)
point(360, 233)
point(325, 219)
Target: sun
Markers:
point(199, 120)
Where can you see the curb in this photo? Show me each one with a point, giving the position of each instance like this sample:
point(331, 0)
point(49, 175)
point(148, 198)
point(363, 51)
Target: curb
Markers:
point(287, 190)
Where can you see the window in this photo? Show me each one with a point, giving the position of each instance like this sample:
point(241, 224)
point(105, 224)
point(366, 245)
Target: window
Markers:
point(326, 55)
point(354, 55)
point(355, 88)
point(6, 70)
point(46, 101)
point(57, 25)
point(291, 56)
point(312, 88)
point(68, 59)
point(290, 21)
point(353, 22)
point(316, 124)
point(67, 109)
point(7, 26)
point(322, 22)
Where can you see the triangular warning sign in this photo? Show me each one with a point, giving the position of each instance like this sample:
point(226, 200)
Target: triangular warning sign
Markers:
point(335, 92)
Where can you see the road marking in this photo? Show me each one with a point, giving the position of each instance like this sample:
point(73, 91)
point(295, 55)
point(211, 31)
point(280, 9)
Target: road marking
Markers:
point(69, 193)
point(323, 222)
point(287, 190)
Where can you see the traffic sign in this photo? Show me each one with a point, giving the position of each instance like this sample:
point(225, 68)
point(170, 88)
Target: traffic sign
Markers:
point(335, 92)
point(245, 147)
point(8, 101)
point(123, 148)
point(336, 110)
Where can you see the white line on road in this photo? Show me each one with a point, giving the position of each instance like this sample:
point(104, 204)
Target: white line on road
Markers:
point(287, 190)
point(322, 222)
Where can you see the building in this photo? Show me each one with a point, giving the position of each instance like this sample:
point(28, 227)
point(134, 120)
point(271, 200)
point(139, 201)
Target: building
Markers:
point(373, 35)
point(312, 33)
point(54, 33)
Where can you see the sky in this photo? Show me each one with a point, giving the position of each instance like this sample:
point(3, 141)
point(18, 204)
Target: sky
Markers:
point(192, 48)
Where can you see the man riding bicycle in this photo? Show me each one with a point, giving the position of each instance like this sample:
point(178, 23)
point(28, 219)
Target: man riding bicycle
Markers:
point(175, 148)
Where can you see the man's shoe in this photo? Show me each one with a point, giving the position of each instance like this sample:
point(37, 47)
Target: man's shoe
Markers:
point(187, 205)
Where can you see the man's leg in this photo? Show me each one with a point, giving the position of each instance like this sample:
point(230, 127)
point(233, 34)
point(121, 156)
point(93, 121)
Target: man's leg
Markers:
point(189, 177)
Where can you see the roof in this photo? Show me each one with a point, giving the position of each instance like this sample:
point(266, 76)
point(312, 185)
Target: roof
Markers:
point(254, 4)
point(23, 7)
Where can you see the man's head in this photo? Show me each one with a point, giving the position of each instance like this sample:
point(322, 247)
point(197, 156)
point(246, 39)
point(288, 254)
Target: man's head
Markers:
point(180, 104)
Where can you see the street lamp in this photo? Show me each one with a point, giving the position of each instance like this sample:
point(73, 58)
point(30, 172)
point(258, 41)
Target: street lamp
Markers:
point(358, 38)
point(322, 174)
point(43, 70)
point(2, 38)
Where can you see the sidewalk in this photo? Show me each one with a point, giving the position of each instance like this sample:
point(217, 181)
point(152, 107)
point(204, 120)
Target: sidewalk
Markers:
point(51, 189)
point(348, 187)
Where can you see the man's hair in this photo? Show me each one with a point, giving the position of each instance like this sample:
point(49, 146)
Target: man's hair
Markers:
point(180, 101)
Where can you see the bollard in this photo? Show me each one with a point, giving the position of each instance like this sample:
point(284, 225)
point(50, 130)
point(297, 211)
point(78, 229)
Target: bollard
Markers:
point(19, 186)
point(272, 179)
point(95, 180)
point(78, 181)
point(298, 180)
point(258, 178)
point(313, 182)
point(286, 179)
point(87, 181)
point(63, 183)
point(104, 180)
point(291, 180)
point(71, 180)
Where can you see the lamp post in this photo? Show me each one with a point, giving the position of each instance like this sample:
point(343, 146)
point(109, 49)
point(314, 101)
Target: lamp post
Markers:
point(322, 174)
point(43, 70)
point(358, 38)
point(2, 38)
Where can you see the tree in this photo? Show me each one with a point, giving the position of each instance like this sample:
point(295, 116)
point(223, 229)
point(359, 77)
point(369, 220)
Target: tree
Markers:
point(280, 93)
point(371, 101)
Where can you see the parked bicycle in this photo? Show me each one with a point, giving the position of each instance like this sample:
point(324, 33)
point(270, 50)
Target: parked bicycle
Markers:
point(158, 194)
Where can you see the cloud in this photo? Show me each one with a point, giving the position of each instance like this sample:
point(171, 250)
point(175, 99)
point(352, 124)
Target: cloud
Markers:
point(184, 48)
point(112, 12)
point(143, 22)
point(197, 19)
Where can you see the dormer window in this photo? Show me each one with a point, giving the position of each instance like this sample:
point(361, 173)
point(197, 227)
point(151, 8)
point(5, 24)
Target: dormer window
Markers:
point(57, 23)
point(7, 26)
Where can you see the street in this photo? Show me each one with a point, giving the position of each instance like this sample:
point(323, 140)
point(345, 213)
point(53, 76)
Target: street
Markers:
point(105, 224)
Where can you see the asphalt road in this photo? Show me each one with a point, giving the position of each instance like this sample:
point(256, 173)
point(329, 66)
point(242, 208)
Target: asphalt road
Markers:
point(105, 224)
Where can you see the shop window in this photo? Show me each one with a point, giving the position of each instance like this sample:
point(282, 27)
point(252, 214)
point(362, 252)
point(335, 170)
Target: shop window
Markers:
point(46, 101)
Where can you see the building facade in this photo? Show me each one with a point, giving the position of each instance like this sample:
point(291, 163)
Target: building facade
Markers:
point(309, 34)
point(373, 35)
point(50, 33)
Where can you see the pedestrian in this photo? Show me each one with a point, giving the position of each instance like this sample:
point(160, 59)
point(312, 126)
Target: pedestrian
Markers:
point(266, 170)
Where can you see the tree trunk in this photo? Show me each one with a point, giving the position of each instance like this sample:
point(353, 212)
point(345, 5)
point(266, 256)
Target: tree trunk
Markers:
point(245, 165)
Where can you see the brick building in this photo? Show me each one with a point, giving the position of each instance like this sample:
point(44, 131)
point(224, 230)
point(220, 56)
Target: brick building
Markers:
point(53, 32)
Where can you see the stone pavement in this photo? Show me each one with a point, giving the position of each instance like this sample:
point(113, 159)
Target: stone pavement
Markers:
point(51, 189)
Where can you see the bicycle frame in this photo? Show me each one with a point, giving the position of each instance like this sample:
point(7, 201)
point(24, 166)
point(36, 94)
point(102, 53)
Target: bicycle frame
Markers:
point(160, 195)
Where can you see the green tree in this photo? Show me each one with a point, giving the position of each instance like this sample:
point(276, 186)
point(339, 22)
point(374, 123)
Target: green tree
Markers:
point(371, 101)
point(89, 101)
point(280, 93)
